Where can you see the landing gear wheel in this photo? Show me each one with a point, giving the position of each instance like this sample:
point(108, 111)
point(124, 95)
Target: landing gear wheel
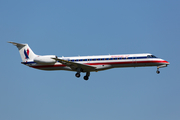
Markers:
point(86, 77)
point(77, 75)
point(157, 71)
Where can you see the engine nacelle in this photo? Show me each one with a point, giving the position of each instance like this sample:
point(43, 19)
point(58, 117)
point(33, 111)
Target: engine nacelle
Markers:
point(47, 59)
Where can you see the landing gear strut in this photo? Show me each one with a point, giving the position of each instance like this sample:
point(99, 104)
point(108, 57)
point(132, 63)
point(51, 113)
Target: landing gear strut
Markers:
point(78, 73)
point(87, 76)
point(161, 66)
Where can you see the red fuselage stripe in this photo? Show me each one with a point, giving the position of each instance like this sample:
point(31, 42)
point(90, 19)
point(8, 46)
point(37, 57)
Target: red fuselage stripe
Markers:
point(104, 63)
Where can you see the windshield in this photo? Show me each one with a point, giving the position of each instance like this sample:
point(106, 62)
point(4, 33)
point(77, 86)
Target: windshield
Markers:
point(151, 56)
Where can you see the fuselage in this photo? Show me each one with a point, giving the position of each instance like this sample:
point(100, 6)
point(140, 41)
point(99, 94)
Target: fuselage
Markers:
point(86, 63)
point(103, 62)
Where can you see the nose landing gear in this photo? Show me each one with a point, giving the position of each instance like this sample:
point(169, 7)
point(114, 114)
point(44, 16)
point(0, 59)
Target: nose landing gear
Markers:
point(161, 66)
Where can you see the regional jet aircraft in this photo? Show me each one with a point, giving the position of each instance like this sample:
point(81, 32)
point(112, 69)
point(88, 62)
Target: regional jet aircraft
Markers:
point(87, 64)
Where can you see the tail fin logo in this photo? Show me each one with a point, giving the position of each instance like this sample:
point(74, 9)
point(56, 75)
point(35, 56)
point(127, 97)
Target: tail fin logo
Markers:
point(26, 53)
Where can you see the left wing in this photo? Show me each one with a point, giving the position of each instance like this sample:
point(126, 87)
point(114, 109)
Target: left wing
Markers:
point(75, 65)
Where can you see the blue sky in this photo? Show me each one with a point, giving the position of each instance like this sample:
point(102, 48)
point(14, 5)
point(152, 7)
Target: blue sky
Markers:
point(72, 28)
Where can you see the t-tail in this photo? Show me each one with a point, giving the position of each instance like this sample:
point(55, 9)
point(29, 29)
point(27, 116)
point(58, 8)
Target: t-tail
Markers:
point(28, 56)
point(25, 52)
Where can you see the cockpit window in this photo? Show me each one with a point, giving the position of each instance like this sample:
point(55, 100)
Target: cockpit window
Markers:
point(151, 56)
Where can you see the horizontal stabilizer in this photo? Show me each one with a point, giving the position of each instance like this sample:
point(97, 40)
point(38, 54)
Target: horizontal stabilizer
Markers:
point(17, 44)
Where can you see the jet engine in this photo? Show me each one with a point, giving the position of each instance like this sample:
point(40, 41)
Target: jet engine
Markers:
point(47, 59)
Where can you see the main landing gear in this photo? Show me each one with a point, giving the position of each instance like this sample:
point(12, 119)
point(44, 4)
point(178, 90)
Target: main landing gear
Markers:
point(78, 73)
point(86, 77)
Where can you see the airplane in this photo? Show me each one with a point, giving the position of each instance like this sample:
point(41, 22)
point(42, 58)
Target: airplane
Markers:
point(87, 64)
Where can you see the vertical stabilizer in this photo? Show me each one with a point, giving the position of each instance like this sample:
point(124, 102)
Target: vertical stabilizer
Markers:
point(25, 51)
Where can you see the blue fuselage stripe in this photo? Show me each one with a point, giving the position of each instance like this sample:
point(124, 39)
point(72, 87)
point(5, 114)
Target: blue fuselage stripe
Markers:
point(98, 59)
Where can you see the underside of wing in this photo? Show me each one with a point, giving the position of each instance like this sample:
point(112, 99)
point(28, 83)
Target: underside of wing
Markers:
point(75, 65)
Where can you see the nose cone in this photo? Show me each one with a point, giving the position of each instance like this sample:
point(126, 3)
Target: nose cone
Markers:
point(166, 62)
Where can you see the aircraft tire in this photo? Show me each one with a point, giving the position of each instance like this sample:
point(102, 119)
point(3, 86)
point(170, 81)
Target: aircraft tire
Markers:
point(86, 77)
point(77, 75)
point(157, 71)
